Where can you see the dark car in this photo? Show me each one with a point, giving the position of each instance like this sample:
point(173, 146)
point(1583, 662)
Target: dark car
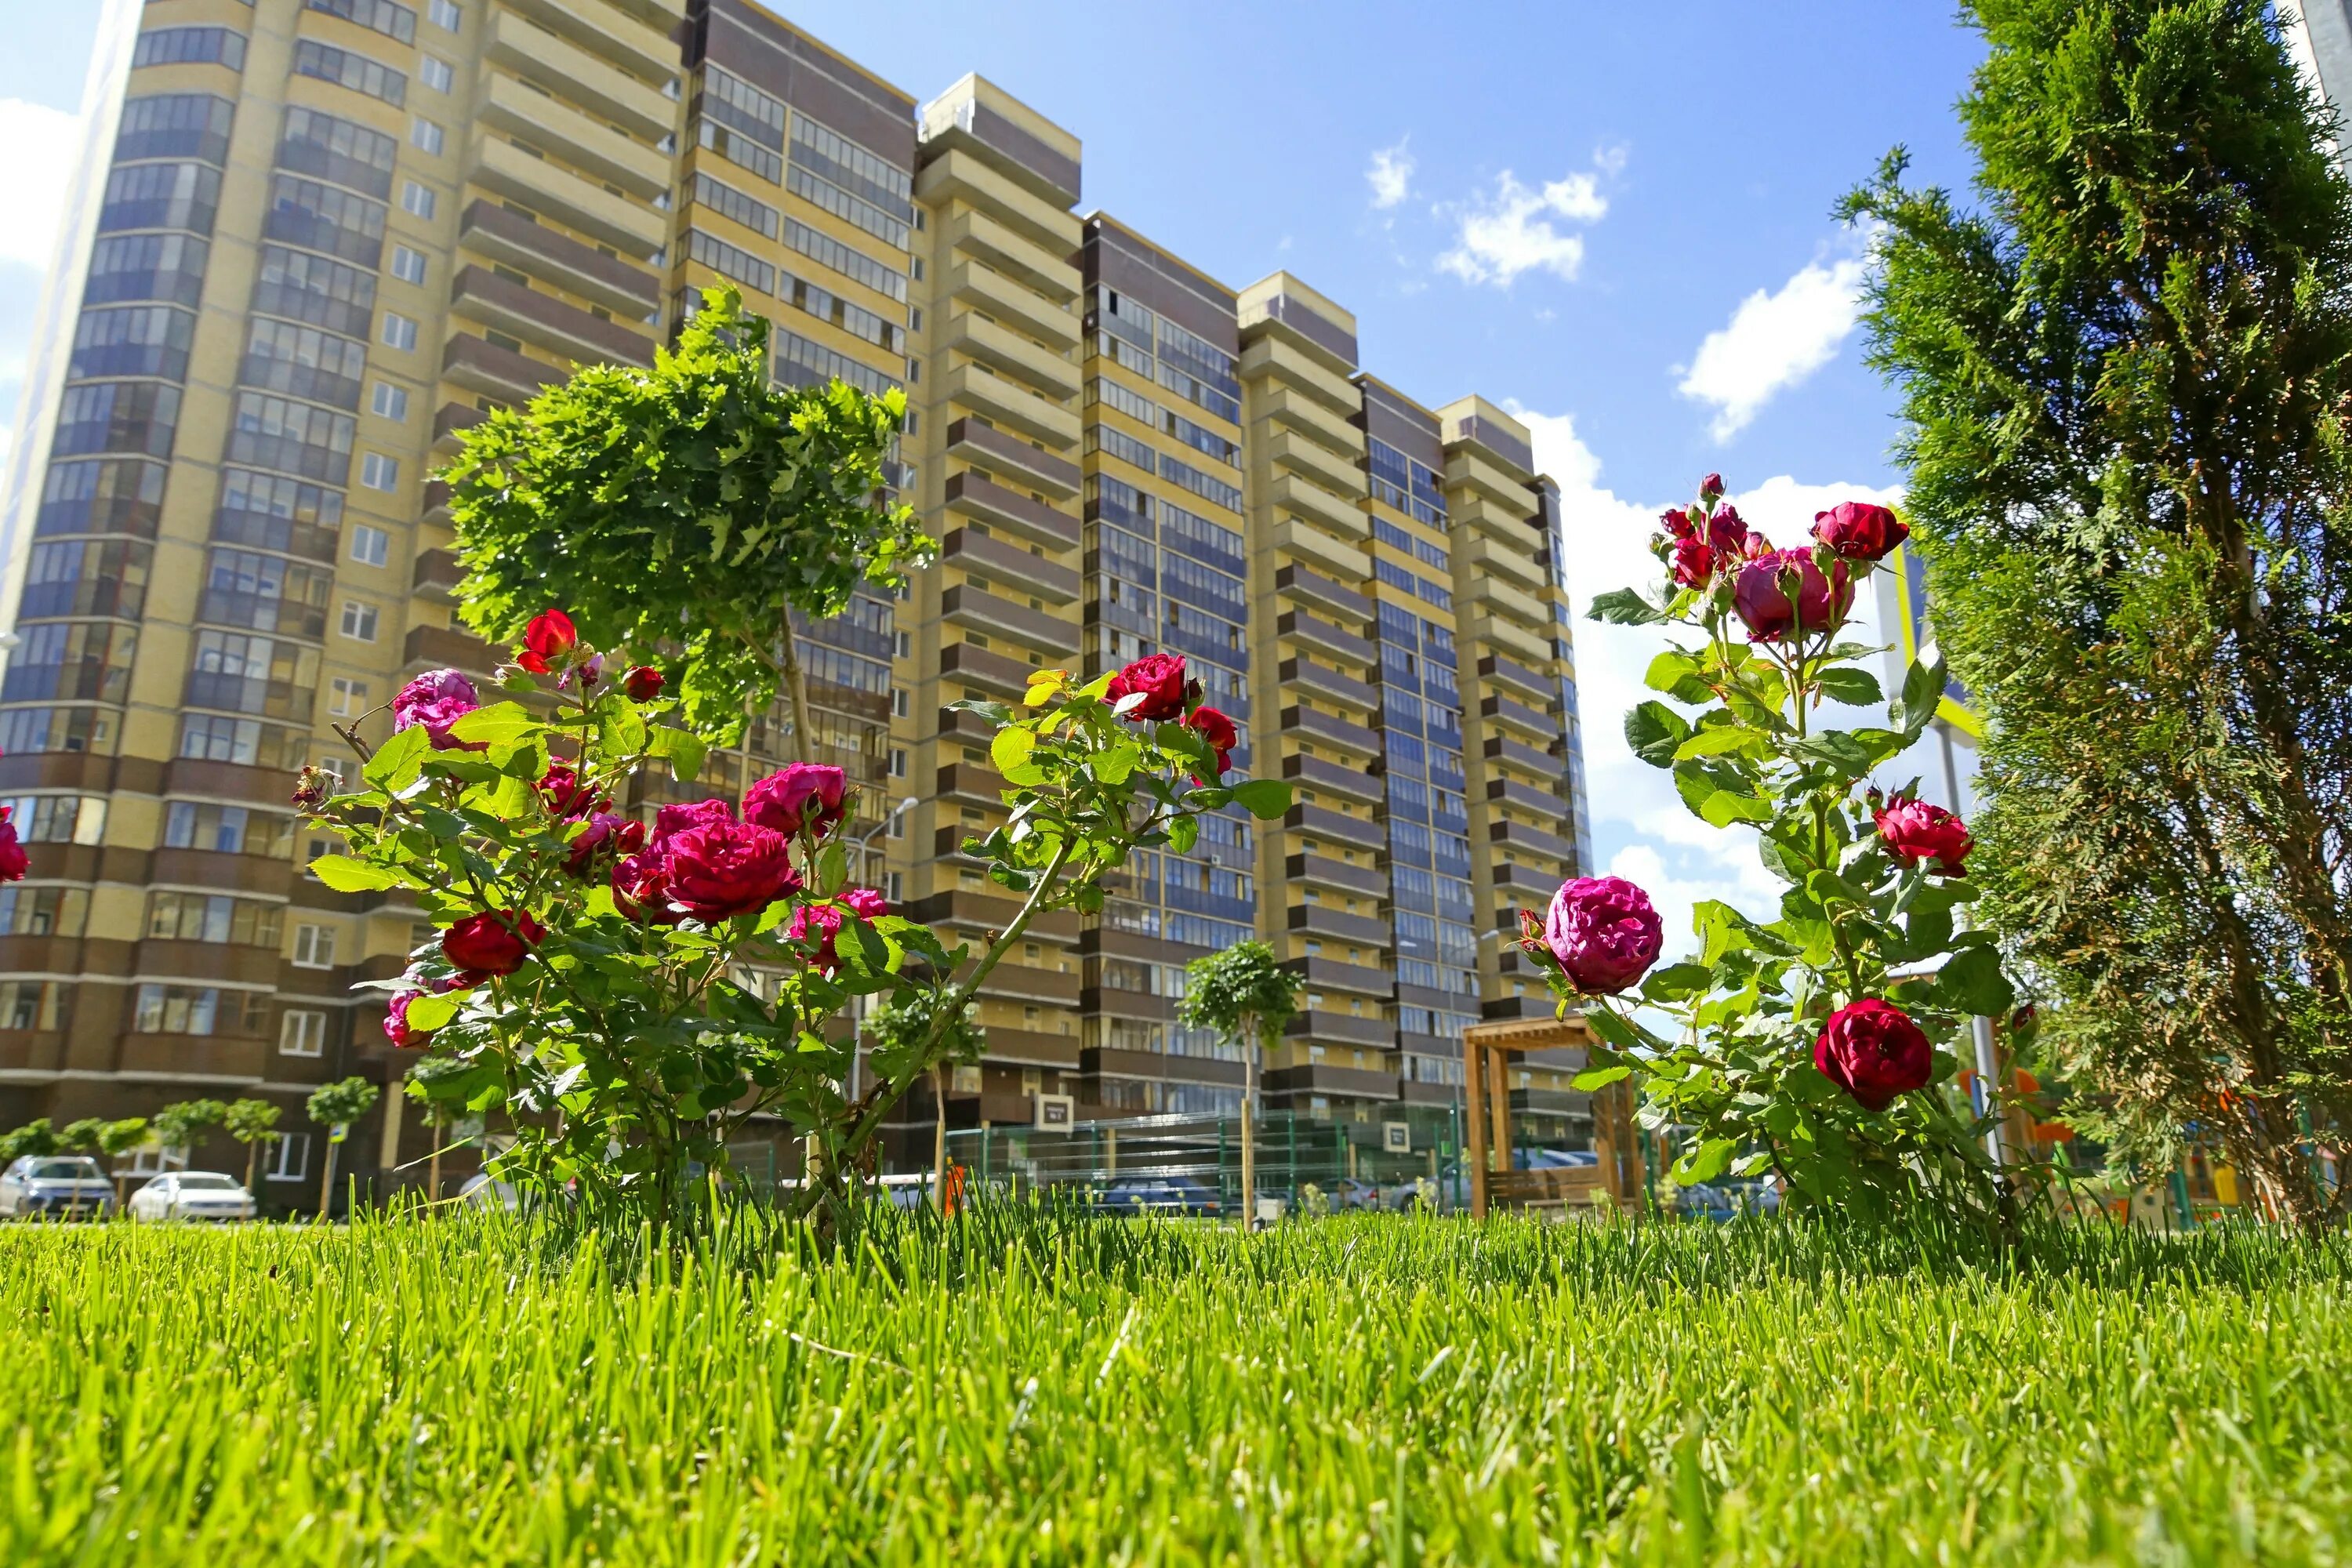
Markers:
point(1159, 1195)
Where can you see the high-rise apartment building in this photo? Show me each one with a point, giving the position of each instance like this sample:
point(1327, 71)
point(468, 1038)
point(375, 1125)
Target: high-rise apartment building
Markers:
point(323, 238)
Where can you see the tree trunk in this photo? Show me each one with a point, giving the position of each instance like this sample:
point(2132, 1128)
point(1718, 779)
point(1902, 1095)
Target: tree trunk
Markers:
point(432, 1171)
point(327, 1182)
point(1249, 1134)
point(939, 1139)
point(252, 1158)
point(796, 691)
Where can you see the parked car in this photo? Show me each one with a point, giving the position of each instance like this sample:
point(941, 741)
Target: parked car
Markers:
point(1157, 1194)
point(483, 1191)
point(54, 1186)
point(1352, 1193)
point(192, 1194)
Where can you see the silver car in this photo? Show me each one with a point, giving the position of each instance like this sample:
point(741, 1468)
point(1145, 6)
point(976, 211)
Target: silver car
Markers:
point(54, 1186)
point(192, 1194)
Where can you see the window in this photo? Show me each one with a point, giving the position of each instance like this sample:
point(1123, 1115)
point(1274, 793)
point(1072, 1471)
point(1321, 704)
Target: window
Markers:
point(898, 706)
point(29, 1003)
point(417, 199)
point(897, 771)
point(213, 917)
point(378, 472)
point(190, 45)
point(426, 135)
point(359, 621)
point(389, 402)
point(301, 1033)
point(289, 1157)
point(435, 72)
point(58, 818)
point(408, 267)
point(227, 829)
point(198, 1010)
point(445, 15)
point(399, 331)
point(369, 546)
point(897, 887)
point(391, 20)
point(347, 70)
point(314, 947)
point(350, 696)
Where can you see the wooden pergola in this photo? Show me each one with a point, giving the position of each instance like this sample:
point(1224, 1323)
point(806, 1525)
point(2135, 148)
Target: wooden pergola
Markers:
point(1486, 1052)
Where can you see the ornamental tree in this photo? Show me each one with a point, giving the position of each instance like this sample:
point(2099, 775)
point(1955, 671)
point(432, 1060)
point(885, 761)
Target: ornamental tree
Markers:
point(252, 1122)
point(1247, 998)
point(630, 996)
point(1816, 1045)
point(335, 1106)
point(683, 512)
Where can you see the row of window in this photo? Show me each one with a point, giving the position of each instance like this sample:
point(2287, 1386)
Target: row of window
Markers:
point(1421, 550)
point(1413, 582)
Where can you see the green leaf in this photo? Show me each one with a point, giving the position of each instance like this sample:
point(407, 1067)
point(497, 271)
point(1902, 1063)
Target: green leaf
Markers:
point(1715, 741)
point(1705, 1163)
point(1012, 747)
point(1720, 929)
point(432, 1010)
point(346, 875)
point(1655, 731)
point(1676, 674)
point(1846, 684)
point(1676, 982)
point(500, 724)
point(1723, 809)
point(832, 869)
point(395, 761)
point(1923, 687)
point(1839, 749)
point(1599, 1078)
point(1623, 607)
point(685, 750)
point(1971, 982)
point(1264, 799)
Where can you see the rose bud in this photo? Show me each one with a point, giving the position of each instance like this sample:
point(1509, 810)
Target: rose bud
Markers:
point(1916, 832)
point(804, 797)
point(672, 820)
point(1874, 1051)
point(312, 788)
point(1755, 547)
point(1767, 588)
point(642, 683)
point(395, 1021)
point(1677, 525)
point(1711, 486)
point(495, 942)
point(1859, 531)
point(437, 699)
point(1158, 678)
point(727, 869)
point(1726, 530)
point(547, 641)
point(641, 888)
point(1693, 564)
point(1217, 729)
point(1604, 932)
point(605, 833)
point(564, 795)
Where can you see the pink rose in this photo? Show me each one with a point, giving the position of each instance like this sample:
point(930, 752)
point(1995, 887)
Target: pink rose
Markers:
point(13, 862)
point(727, 869)
point(1859, 531)
point(1874, 1051)
point(1604, 932)
point(803, 796)
point(437, 699)
point(1784, 591)
point(494, 942)
point(1916, 832)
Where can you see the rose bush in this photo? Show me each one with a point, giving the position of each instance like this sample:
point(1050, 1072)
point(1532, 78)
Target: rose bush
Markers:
point(1819, 1045)
point(629, 996)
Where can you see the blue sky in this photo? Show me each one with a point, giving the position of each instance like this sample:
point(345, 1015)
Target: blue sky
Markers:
point(1614, 218)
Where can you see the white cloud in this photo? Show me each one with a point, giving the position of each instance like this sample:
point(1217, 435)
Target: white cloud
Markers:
point(41, 143)
point(1773, 341)
point(1391, 175)
point(1512, 232)
point(1640, 830)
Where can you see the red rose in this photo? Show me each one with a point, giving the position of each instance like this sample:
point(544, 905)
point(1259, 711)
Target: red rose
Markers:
point(1859, 531)
point(1158, 678)
point(1785, 592)
point(672, 820)
point(641, 888)
point(728, 868)
point(642, 683)
point(1915, 832)
point(1874, 1051)
point(605, 834)
point(13, 862)
point(566, 797)
point(822, 923)
point(495, 942)
point(1755, 547)
point(437, 699)
point(1680, 522)
point(1711, 485)
point(1693, 564)
point(805, 796)
point(1726, 530)
point(1218, 730)
point(1604, 932)
point(548, 639)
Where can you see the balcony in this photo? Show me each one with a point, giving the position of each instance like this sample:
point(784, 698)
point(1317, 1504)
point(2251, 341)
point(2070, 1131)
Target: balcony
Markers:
point(545, 320)
point(977, 288)
point(1302, 722)
point(1542, 728)
point(1511, 792)
point(1323, 871)
point(977, 552)
point(451, 421)
point(1011, 512)
point(1022, 983)
point(631, 227)
point(1340, 514)
point(1327, 824)
point(220, 872)
point(1532, 684)
point(1519, 754)
point(1477, 516)
point(1535, 840)
point(1029, 1047)
point(1317, 633)
point(1322, 1080)
point(1469, 468)
point(1268, 356)
point(174, 960)
point(1325, 776)
point(1295, 409)
point(1314, 463)
point(444, 648)
point(1009, 405)
point(1305, 675)
point(1496, 1008)
point(1498, 631)
point(1532, 888)
point(590, 146)
point(481, 365)
point(985, 447)
point(1111, 1061)
point(226, 781)
point(504, 235)
point(1354, 979)
point(1346, 1028)
point(971, 782)
point(436, 574)
point(991, 672)
point(947, 843)
point(962, 174)
point(1003, 249)
point(601, 59)
point(1334, 557)
point(219, 1058)
point(1303, 587)
point(977, 912)
point(1515, 559)
point(990, 343)
point(1511, 601)
point(1320, 920)
point(976, 608)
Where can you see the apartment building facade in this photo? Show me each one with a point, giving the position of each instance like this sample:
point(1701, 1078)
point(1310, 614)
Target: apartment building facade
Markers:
point(327, 237)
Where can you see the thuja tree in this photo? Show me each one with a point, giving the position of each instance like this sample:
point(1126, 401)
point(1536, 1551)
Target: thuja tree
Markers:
point(679, 514)
point(1816, 1045)
point(2126, 382)
point(632, 996)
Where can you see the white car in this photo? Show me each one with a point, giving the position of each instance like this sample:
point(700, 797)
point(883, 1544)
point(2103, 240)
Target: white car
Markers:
point(192, 1194)
point(57, 1186)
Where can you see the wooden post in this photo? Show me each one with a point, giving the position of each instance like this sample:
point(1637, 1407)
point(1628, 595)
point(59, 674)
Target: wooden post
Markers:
point(1473, 1123)
point(1249, 1134)
point(1498, 1091)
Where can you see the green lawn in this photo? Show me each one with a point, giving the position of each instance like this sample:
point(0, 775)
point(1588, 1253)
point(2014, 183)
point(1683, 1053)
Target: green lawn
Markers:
point(1374, 1390)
